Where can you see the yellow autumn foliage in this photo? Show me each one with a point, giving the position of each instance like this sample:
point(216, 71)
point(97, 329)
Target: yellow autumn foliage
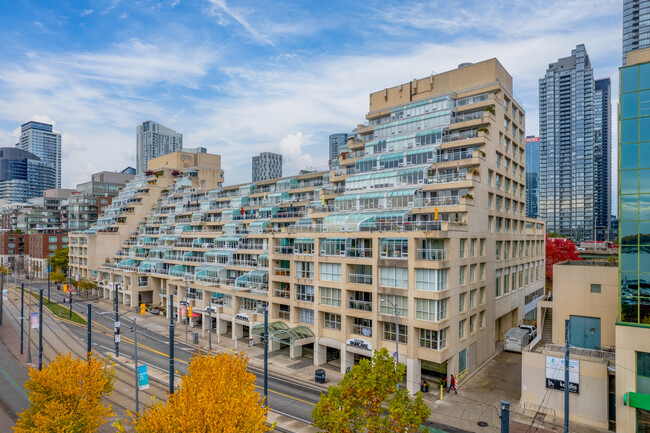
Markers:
point(217, 396)
point(66, 396)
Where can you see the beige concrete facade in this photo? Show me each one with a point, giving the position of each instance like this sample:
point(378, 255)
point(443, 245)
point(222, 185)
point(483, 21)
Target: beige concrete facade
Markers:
point(207, 166)
point(581, 290)
point(425, 208)
point(586, 289)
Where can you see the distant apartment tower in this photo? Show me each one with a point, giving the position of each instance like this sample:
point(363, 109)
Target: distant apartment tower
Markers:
point(532, 176)
point(602, 156)
point(128, 170)
point(336, 141)
point(23, 176)
point(636, 25)
point(39, 139)
point(154, 140)
point(267, 166)
point(567, 187)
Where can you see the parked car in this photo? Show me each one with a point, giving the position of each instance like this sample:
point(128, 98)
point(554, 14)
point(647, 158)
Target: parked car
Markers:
point(532, 331)
point(184, 303)
point(516, 339)
point(211, 308)
point(155, 310)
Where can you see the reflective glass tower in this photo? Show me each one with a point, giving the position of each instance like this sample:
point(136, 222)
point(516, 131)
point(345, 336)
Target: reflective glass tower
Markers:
point(39, 139)
point(23, 175)
point(532, 176)
point(566, 129)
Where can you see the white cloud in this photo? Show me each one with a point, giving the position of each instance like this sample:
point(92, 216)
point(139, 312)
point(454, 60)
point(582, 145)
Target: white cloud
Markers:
point(293, 158)
point(123, 15)
point(86, 12)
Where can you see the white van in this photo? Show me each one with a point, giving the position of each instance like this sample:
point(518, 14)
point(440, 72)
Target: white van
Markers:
point(516, 339)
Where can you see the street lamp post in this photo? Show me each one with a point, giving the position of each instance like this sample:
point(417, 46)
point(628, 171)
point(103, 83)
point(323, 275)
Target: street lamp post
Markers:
point(210, 328)
point(40, 331)
point(187, 303)
point(171, 343)
point(137, 385)
point(117, 318)
point(396, 334)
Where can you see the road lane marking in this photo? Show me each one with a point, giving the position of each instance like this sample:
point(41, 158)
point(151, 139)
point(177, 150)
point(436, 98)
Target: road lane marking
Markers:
point(4, 373)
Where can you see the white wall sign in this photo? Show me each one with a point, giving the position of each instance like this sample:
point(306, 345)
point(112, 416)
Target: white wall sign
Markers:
point(555, 374)
point(359, 342)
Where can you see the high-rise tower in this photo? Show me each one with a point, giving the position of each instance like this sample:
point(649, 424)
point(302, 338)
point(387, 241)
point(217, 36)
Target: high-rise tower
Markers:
point(39, 139)
point(567, 188)
point(154, 140)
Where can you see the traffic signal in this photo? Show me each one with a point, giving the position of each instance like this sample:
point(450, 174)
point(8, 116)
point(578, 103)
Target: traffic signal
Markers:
point(189, 312)
point(435, 213)
point(142, 307)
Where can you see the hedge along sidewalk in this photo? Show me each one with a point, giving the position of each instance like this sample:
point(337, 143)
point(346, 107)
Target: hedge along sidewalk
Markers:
point(59, 310)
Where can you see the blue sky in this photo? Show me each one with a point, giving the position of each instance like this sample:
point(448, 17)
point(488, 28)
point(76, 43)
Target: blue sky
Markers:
point(241, 77)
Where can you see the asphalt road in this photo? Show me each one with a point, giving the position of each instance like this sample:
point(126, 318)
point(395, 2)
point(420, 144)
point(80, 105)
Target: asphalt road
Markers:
point(287, 398)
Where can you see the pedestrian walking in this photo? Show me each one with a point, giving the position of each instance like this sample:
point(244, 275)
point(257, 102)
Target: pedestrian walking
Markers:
point(452, 385)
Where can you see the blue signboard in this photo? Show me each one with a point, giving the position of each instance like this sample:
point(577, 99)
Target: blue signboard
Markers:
point(143, 377)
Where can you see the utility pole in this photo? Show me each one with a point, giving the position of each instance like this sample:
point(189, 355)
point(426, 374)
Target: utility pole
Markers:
point(2, 296)
point(186, 309)
point(22, 315)
point(171, 343)
point(49, 299)
point(70, 301)
point(137, 385)
point(117, 320)
point(29, 328)
point(566, 376)
point(396, 335)
point(40, 330)
point(210, 328)
point(89, 346)
point(266, 356)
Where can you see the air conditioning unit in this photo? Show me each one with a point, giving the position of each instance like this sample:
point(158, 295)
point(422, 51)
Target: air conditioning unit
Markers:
point(410, 145)
point(421, 181)
point(342, 253)
point(429, 159)
point(409, 163)
point(410, 204)
point(439, 140)
point(400, 164)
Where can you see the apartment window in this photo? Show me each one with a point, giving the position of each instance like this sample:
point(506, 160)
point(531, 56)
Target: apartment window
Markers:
point(497, 283)
point(307, 316)
point(461, 276)
point(472, 248)
point(472, 298)
point(472, 273)
point(436, 340)
point(472, 324)
point(52, 239)
point(595, 288)
point(461, 329)
point(482, 247)
point(393, 277)
point(401, 302)
point(305, 269)
point(432, 310)
point(489, 228)
point(490, 173)
point(332, 321)
point(461, 302)
point(498, 250)
point(330, 271)
point(490, 196)
point(330, 296)
point(481, 271)
point(481, 319)
point(389, 332)
point(462, 248)
point(362, 326)
point(304, 293)
point(432, 280)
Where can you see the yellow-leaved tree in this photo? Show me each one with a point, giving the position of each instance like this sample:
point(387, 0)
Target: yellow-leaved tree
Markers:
point(218, 395)
point(66, 396)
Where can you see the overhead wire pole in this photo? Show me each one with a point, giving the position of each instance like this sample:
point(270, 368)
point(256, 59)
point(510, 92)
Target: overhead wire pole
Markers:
point(137, 385)
point(396, 335)
point(22, 316)
point(266, 355)
point(2, 296)
point(89, 345)
point(117, 318)
point(171, 343)
point(40, 330)
point(566, 376)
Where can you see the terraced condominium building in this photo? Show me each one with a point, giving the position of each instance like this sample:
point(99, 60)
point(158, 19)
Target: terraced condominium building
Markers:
point(423, 216)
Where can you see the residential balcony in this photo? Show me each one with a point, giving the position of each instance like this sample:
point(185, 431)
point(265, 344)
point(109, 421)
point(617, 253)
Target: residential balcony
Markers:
point(365, 253)
point(360, 278)
point(431, 254)
point(282, 272)
point(284, 315)
point(284, 250)
point(360, 305)
point(279, 293)
point(305, 274)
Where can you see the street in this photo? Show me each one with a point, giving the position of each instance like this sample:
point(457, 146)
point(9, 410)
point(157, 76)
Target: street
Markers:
point(285, 397)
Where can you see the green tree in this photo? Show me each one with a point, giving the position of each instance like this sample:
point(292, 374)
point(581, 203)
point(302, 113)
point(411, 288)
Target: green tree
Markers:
point(58, 277)
point(59, 260)
point(66, 396)
point(358, 402)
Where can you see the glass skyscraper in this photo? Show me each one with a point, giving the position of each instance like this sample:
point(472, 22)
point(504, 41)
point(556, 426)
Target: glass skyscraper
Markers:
point(636, 25)
point(39, 139)
point(23, 175)
point(532, 176)
point(566, 128)
point(634, 190)
point(602, 156)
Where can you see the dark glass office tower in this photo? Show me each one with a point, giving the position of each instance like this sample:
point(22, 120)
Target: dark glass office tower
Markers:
point(567, 186)
point(602, 157)
point(532, 176)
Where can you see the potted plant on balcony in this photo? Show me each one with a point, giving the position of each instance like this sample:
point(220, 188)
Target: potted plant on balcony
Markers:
point(490, 109)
